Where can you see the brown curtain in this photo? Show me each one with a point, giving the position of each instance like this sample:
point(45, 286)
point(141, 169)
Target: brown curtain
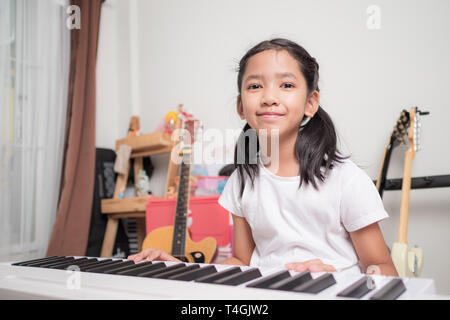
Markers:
point(71, 228)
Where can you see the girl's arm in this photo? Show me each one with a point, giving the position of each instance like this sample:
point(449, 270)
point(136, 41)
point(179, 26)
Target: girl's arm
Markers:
point(372, 251)
point(243, 243)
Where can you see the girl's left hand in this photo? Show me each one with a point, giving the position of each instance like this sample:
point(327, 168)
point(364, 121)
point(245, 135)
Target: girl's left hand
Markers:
point(315, 265)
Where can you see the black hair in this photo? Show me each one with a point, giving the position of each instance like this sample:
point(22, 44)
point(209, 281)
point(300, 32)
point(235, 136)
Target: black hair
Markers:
point(315, 147)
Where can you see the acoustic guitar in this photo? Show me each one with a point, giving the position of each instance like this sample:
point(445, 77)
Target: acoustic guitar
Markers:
point(408, 261)
point(397, 137)
point(175, 239)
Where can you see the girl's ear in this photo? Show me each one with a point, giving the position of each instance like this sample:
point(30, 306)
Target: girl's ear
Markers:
point(312, 104)
point(239, 107)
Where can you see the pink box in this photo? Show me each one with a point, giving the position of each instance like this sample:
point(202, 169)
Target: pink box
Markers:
point(209, 219)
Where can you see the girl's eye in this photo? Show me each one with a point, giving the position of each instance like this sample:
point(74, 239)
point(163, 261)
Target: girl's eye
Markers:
point(289, 85)
point(252, 86)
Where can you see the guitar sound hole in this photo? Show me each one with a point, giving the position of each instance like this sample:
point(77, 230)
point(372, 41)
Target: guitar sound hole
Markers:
point(198, 256)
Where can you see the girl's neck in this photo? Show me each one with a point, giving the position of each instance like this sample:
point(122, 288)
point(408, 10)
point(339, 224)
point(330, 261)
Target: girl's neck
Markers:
point(279, 157)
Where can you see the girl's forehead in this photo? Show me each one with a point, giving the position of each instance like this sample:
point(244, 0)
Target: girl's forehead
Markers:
point(272, 62)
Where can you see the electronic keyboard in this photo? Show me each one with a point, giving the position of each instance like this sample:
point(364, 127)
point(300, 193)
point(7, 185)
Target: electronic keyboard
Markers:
point(77, 277)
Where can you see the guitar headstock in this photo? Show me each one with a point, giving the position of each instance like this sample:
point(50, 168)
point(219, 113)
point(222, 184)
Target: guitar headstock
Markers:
point(414, 131)
point(187, 135)
point(401, 127)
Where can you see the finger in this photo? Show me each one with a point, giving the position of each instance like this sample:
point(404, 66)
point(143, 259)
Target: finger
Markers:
point(302, 266)
point(142, 255)
point(321, 268)
point(311, 262)
point(150, 256)
point(138, 257)
point(296, 266)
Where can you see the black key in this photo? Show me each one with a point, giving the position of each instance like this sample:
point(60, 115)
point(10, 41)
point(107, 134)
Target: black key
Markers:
point(166, 275)
point(316, 285)
point(391, 291)
point(128, 267)
point(222, 274)
point(269, 280)
point(38, 264)
point(77, 262)
point(90, 263)
point(112, 266)
point(51, 264)
point(239, 278)
point(291, 282)
point(358, 289)
point(108, 266)
point(141, 269)
point(150, 274)
point(95, 264)
point(194, 274)
point(24, 263)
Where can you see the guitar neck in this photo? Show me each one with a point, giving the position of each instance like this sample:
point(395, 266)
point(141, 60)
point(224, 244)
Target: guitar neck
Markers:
point(406, 188)
point(180, 223)
point(381, 182)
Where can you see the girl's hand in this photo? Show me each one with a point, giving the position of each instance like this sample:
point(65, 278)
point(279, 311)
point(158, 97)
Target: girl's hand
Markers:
point(315, 265)
point(151, 254)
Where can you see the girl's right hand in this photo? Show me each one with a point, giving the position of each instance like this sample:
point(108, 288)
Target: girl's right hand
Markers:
point(151, 254)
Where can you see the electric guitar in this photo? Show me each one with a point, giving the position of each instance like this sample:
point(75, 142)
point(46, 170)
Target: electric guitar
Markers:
point(175, 239)
point(395, 139)
point(408, 262)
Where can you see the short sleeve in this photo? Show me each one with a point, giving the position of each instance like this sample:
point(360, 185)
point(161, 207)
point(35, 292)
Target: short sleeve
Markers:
point(230, 195)
point(360, 203)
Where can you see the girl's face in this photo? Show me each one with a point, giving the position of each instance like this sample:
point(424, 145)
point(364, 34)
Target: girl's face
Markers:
point(274, 94)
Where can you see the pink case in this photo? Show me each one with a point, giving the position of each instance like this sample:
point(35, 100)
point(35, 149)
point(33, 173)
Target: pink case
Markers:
point(209, 219)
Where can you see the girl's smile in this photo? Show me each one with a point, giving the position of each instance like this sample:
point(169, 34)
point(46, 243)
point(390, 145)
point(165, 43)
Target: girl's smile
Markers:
point(270, 115)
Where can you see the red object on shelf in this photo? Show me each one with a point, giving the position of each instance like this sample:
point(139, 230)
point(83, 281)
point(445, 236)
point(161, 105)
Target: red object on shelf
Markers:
point(209, 219)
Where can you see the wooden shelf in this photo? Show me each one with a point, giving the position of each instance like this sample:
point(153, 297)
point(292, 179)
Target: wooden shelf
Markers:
point(134, 204)
point(147, 144)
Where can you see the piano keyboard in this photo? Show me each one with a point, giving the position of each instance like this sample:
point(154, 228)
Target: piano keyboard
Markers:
point(100, 278)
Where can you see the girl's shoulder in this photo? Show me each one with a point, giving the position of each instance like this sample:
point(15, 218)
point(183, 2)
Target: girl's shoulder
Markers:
point(346, 171)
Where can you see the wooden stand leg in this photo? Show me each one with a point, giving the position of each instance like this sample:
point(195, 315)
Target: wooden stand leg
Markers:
point(110, 237)
point(140, 232)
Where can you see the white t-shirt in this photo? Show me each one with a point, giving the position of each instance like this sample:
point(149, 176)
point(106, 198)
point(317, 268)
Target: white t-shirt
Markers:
point(289, 224)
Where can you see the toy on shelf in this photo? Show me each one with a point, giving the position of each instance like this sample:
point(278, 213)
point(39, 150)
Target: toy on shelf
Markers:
point(135, 127)
point(167, 125)
point(143, 184)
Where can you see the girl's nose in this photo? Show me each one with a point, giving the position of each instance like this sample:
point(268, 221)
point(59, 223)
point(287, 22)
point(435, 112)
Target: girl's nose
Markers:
point(269, 99)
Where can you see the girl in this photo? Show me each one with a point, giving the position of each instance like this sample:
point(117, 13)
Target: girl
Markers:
point(305, 206)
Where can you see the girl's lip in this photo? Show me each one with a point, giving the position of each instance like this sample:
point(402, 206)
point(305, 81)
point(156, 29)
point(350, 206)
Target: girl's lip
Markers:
point(270, 115)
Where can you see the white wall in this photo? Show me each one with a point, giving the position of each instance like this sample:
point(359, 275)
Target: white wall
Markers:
point(189, 50)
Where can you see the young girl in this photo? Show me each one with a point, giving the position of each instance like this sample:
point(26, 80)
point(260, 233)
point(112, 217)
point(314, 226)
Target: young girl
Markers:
point(310, 209)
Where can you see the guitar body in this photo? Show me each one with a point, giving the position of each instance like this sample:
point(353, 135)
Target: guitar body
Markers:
point(196, 252)
point(408, 262)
